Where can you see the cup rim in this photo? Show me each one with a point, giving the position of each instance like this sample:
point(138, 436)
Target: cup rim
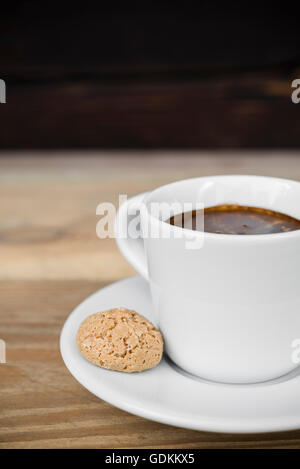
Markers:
point(267, 237)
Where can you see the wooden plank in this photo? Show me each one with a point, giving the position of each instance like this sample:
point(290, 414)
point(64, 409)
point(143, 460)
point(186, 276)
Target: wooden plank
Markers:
point(247, 110)
point(51, 260)
point(146, 38)
point(41, 404)
point(149, 76)
point(48, 220)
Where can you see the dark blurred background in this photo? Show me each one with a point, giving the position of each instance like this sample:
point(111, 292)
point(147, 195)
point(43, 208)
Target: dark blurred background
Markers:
point(149, 75)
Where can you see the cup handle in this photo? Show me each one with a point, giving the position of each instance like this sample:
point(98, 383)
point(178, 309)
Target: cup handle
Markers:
point(131, 248)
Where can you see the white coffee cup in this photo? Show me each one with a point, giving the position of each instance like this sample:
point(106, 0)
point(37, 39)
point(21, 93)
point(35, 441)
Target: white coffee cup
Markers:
point(228, 307)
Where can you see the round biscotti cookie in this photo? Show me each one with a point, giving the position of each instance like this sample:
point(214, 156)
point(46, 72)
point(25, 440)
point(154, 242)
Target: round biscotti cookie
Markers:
point(120, 339)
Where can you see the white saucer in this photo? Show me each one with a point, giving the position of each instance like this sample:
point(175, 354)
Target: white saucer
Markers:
point(166, 394)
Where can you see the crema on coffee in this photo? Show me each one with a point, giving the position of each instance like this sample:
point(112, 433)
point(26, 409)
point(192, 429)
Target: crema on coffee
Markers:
point(237, 220)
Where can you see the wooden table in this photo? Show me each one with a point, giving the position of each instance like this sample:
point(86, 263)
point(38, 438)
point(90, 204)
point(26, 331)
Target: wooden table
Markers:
point(51, 259)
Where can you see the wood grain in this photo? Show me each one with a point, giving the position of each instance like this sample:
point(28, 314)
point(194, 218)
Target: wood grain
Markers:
point(149, 75)
point(51, 259)
point(232, 110)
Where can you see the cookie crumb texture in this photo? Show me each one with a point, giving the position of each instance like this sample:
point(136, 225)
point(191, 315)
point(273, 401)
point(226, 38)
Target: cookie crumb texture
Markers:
point(121, 340)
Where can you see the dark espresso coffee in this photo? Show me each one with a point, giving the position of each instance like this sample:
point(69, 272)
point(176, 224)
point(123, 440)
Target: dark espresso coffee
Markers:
point(237, 220)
